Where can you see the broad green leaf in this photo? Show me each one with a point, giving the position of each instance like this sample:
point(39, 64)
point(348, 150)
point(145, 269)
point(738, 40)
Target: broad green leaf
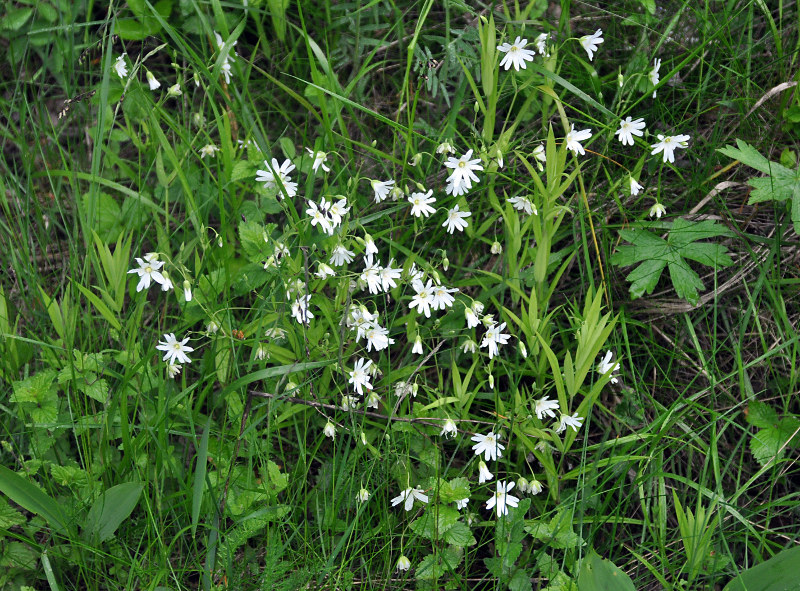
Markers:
point(434, 566)
point(781, 184)
point(766, 444)
point(15, 18)
point(435, 521)
point(761, 414)
point(598, 574)
point(460, 535)
point(653, 254)
point(38, 397)
point(27, 495)
point(112, 508)
point(520, 581)
point(779, 573)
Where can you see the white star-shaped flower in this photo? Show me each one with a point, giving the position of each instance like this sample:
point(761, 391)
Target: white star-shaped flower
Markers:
point(629, 128)
point(501, 500)
point(668, 144)
point(488, 446)
point(574, 139)
point(456, 220)
point(420, 203)
point(515, 54)
point(175, 351)
point(408, 496)
point(591, 42)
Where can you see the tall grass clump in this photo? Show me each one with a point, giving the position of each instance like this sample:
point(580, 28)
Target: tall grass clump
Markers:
point(385, 295)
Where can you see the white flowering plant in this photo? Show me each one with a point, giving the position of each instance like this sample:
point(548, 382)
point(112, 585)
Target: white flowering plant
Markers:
point(344, 293)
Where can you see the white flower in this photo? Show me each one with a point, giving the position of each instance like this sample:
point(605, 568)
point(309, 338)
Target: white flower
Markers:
point(442, 298)
point(408, 496)
point(668, 145)
point(653, 75)
point(449, 428)
point(151, 80)
point(369, 246)
point(497, 248)
point(262, 352)
point(657, 210)
point(423, 300)
point(330, 430)
point(515, 54)
point(275, 173)
point(359, 377)
point(469, 346)
point(471, 316)
point(573, 421)
point(523, 204)
point(175, 351)
point(574, 139)
point(174, 90)
point(403, 563)
point(300, 310)
point(208, 150)
point(628, 128)
point(635, 186)
point(377, 338)
point(148, 271)
point(540, 155)
point(337, 211)
point(501, 500)
point(120, 67)
point(591, 42)
point(373, 400)
point(606, 365)
point(522, 484)
point(463, 170)
point(420, 203)
point(349, 402)
point(523, 350)
point(534, 487)
point(371, 275)
point(212, 327)
point(362, 496)
point(319, 160)
point(382, 189)
point(417, 348)
point(388, 276)
point(324, 271)
point(445, 148)
point(275, 333)
point(541, 44)
point(455, 220)
point(483, 473)
point(173, 369)
point(545, 408)
point(341, 256)
point(461, 503)
point(494, 336)
point(488, 446)
point(167, 284)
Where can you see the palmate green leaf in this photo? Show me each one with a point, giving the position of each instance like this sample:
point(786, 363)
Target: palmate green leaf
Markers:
point(781, 184)
point(653, 254)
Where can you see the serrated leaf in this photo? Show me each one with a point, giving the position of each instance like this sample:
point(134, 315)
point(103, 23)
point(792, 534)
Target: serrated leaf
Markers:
point(97, 389)
point(521, 581)
point(435, 521)
point(243, 170)
point(653, 254)
point(251, 235)
point(434, 566)
point(761, 414)
point(34, 389)
point(9, 517)
point(460, 535)
point(766, 444)
point(781, 184)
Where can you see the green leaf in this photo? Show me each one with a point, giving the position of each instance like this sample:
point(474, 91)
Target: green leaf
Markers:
point(434, 566)
point(9, 517)
point(761, 414)
point(460, 535)
point(435, 521)
point(781, 184)
point(28, 496)
point(779, 573)
point(766, 444)
point(598, 574)
point(16, 18)
point(37, 396)
point(253, 238)
point(653, 254)
point(112, 508)
point(557, 533)
point(200, 469)
point(521, 581)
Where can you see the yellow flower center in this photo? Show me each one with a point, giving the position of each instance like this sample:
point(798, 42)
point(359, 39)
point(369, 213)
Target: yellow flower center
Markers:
point(462, 164)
